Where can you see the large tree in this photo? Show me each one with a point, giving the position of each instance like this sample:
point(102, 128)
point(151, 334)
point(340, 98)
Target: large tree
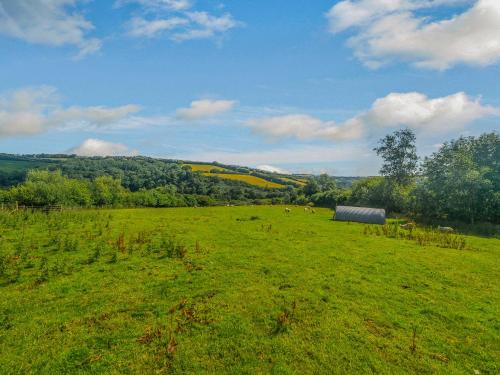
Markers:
point(462, 180)
point(399, 153)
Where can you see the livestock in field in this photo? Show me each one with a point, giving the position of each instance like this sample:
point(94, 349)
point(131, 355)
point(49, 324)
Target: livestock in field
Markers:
point(408, 226)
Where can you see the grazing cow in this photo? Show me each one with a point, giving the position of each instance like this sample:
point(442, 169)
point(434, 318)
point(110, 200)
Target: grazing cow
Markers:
point(287, 210)
point(446, 229)
point(408, 226)
point(306, 209)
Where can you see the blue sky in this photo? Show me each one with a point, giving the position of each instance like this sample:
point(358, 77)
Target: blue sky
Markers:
point(304, 86)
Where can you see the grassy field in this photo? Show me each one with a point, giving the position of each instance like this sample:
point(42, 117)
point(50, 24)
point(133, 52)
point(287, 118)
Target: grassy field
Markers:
point(8, 166)
point(205, 168)
point(240, 290)
point(249, 179)
point(298, 182)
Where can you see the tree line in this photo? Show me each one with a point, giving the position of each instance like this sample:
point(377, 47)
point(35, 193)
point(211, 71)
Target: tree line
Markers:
point(459, 182)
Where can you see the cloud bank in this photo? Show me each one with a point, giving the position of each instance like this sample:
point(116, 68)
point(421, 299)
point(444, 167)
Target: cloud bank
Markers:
point(33, 111)
point(178, 20)
point(48, 22)
point(414, 110)
point(396, 30)
point(272, 169)
point(97, 147)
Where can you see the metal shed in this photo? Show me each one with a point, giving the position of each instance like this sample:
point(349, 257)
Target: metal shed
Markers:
point(360, 214)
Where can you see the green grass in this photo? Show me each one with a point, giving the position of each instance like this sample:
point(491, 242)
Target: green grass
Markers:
point(239, 290)
point(9, 166)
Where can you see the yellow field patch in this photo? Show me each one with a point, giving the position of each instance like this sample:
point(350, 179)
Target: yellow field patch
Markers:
point(296, 182)
point(204, 167)
point(252, 180)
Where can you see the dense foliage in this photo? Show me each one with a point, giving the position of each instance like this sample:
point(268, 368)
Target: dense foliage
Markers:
point(462, 181)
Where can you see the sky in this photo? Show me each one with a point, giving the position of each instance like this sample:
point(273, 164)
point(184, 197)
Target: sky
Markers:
point(286, 85)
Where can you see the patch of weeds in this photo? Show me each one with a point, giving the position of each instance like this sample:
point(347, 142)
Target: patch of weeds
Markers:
point(43, 271)
point(284, 319)
point(3, 265)
point(59, 268)
point(94, 256)
point(173, 248)
point(113, 258)
point(5, 320)
point(120, 243)
point(71, 244)
point(413, 346)
point(76, 360)
point(151, 248)
point(10, 269)
point(150, 334)
point(141, 238)
point(423, 237)
point(266, 228)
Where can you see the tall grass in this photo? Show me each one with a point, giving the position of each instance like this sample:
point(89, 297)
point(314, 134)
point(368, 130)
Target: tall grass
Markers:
point(422, 236)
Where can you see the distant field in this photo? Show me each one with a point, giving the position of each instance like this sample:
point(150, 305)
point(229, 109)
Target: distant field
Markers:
point(252, 180)
point(204, 168)
point(239, 290)
point(9, 166)
point(299, 182)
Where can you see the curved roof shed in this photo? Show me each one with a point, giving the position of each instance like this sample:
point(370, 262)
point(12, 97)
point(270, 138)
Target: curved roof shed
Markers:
point(360, 214)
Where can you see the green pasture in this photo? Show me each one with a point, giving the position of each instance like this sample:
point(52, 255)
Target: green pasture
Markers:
point(240, 290)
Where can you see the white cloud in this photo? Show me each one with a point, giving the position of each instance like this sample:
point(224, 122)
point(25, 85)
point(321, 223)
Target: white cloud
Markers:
point(139, 27)
point(175, 5)
point(413, 110)
point(49, 22)
point(204, 26)
point(177, 20)
point(96, 116)
point(304, 127)
point(203, 109)
point(35, 110)
point(391, 30)
point(192, 25)
point(97, 147)
point(417, 111)
point(272, 169)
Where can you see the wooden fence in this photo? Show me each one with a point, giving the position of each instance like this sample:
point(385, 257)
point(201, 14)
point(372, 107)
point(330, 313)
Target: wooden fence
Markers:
point(17, 207)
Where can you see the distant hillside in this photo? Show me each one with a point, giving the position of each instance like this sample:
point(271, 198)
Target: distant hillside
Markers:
point(146, 173)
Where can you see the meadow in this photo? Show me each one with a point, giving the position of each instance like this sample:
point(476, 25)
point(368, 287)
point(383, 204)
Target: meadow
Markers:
point(205, 168)
point(241, 290)
point(249, 179)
